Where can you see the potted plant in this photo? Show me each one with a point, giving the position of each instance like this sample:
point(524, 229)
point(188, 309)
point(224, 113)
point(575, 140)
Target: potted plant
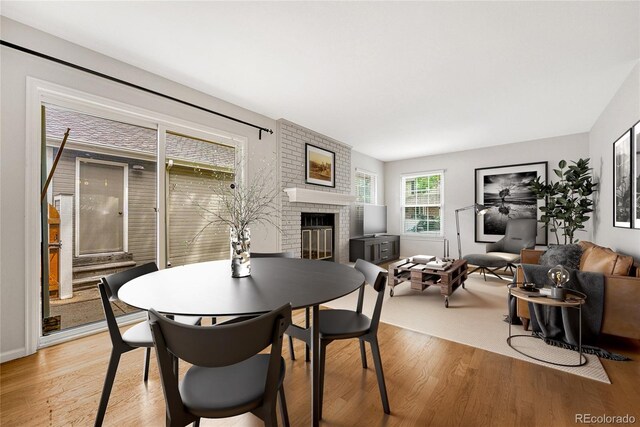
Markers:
point(568, 200)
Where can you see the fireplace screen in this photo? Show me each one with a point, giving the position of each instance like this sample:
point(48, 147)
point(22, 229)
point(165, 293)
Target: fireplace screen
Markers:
point(317, 243)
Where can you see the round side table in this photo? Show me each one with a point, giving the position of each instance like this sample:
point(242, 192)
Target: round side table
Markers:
point(573, 301)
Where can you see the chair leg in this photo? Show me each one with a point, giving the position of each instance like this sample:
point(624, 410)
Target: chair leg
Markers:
point(525, 323)
point(307, 322)
point(323, 355)
point(147, 357)
point(108, 384)
point(271, 419)
point(377, 361)
point(363, 354)
point(284, 414)
point(292, 353)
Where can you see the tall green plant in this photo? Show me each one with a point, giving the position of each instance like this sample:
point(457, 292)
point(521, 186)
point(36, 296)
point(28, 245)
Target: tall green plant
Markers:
point(568, 200)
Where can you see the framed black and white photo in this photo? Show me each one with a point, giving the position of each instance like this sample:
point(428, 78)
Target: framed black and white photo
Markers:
point(635, 162)
point(622, 181)
point(505, 191)
point(320, 166)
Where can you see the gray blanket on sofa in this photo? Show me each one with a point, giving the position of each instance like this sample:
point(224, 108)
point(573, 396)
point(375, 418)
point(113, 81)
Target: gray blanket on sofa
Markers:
point(562, 324)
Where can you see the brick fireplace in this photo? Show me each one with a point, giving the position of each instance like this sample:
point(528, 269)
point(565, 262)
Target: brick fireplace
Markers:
point(301, 197)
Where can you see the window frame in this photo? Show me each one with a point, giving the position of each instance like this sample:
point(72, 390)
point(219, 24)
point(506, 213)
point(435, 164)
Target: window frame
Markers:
point(40, 92)
point(374, 189)
point(403, 205)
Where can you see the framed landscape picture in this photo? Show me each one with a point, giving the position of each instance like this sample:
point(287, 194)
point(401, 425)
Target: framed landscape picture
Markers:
point(635, 161)
point(320, 168)
point(504, 190)
point(622, 181)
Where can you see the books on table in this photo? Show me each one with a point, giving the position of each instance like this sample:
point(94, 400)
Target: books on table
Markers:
point(422, 259)
point(438, 264)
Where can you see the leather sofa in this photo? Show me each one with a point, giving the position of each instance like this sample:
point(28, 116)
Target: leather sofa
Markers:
point(621, 315)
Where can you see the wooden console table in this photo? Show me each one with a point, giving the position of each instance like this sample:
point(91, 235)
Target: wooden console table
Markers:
point(422, 277)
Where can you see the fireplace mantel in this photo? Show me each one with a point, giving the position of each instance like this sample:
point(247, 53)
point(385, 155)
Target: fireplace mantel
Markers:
point(304, 195)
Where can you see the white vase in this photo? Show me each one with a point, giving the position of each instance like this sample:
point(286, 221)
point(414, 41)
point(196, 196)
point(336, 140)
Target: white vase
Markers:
point(240, 252)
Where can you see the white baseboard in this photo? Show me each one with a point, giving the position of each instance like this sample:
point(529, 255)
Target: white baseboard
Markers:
point(13, 354)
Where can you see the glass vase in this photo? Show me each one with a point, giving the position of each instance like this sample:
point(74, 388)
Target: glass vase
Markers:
point(240, 252)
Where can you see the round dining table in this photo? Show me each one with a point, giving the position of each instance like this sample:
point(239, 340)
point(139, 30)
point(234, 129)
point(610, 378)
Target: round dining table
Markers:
point(207, 289)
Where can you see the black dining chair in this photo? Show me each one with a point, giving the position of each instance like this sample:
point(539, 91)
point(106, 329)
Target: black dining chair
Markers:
point(137, 336)
point(286, 254)
point(228, 377)
point(346, 324)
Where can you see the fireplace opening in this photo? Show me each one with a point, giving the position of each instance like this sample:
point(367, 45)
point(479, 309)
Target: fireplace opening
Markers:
point(317, 235)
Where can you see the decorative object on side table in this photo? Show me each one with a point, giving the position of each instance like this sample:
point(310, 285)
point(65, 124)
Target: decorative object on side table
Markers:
point(559, 276)
point(320, 166)
point(568, 200)
point(505, 191)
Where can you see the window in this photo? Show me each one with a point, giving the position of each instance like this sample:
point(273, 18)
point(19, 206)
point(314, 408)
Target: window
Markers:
point(422, 203)
point(366, 187)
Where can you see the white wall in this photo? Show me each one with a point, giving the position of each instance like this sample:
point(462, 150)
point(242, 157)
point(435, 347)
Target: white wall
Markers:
point(622, 112)
point(15, 67)
point(362, 161)
point(459, 186)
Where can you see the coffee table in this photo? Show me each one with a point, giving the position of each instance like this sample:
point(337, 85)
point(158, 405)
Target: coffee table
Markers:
point(421, 277)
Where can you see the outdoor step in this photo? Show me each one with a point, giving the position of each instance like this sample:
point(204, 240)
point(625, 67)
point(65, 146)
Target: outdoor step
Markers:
point(85, 282)
point(105, 266)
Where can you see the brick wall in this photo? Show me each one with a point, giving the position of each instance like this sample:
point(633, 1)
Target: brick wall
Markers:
point(291, 140)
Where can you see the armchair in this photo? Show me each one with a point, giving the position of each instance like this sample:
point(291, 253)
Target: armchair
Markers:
point(519, 234)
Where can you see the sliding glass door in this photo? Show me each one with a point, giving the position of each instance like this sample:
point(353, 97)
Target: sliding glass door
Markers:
point(109, 206)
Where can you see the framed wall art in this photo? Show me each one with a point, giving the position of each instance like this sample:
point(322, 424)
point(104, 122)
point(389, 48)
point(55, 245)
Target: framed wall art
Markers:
point(505, 191)
point(635, 162)
point(622, 181)
point(320, 166)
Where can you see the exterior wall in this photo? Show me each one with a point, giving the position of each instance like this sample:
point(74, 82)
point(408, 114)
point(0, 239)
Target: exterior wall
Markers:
point(292, 139)
point(141, 200)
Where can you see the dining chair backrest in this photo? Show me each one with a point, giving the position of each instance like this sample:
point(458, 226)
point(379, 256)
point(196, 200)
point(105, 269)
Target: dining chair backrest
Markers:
point(116, 280)
point(217, 346)
point(376, 277)
point(109, 287)
point(287, 254)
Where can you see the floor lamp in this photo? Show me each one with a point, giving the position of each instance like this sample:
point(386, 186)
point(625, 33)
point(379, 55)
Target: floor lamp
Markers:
point(479, 209)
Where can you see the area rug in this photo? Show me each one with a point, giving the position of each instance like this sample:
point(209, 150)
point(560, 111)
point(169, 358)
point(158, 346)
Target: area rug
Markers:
point(474, 317)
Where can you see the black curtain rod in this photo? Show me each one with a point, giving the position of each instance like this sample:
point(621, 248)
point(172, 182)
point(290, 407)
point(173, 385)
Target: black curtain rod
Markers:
point(126, 83)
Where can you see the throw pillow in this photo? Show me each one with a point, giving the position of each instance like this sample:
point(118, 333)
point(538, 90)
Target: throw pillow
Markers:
point(606, 261)
point(565, 255)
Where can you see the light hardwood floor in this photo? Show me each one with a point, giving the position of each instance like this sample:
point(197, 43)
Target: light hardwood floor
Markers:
point(430, 382)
